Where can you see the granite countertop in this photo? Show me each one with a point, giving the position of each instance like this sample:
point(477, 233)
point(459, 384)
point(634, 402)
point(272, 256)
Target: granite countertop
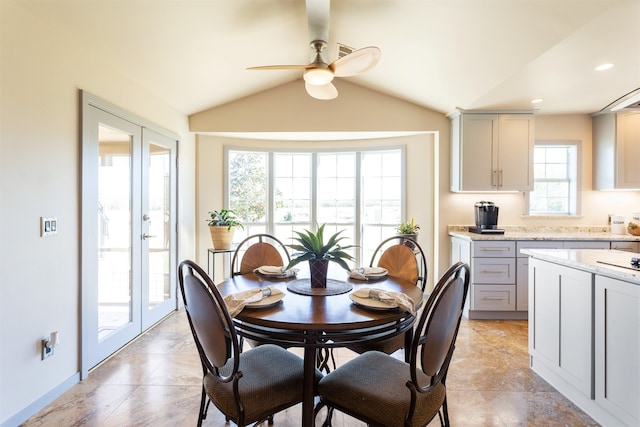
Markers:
point(597, 261)
point(543, 233)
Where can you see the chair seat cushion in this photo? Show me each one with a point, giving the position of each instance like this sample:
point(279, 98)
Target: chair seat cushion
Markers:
point(271, 382)
point(373, 387)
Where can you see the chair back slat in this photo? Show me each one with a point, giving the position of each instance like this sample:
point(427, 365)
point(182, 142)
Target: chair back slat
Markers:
point(403, 257)
point(260, 254)
point(258, 250)
point(400, 261)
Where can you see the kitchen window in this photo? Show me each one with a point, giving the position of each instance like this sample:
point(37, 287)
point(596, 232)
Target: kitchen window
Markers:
point(361, 192)
point(555, 176)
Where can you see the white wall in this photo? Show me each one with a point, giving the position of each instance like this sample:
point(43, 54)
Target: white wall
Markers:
point(42, 72)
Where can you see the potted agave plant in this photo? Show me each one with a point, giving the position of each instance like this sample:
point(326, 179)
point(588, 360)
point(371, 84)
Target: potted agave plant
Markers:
point(312, 248)
point(222, 225)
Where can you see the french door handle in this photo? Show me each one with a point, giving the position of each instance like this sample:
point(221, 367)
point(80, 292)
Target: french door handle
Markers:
point(146, 236)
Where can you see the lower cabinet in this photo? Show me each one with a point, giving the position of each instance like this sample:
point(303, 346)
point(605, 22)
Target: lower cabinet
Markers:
point(560, 322)
point(617, 348)
point(584, 339)
point(500, 272)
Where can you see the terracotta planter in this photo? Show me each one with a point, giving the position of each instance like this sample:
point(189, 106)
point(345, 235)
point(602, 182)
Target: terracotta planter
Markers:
point(318, 269)
point(221, 236)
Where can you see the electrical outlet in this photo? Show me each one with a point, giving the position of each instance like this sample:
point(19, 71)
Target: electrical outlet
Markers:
point(46, 351)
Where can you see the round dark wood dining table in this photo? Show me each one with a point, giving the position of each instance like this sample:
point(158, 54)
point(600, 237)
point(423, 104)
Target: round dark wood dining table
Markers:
point(315, 322)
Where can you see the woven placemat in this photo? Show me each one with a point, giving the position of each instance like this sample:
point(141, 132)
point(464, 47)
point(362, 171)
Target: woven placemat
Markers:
point(334, 287)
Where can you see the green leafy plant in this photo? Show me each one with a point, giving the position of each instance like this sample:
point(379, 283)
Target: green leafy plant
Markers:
point(224, 217)
point(408, 227)
point(311, 246)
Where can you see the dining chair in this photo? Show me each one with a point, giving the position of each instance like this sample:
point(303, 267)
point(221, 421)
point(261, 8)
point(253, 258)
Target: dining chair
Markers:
point(403, 257)
point(383, 391)
point(258, 250)
point(247, 387)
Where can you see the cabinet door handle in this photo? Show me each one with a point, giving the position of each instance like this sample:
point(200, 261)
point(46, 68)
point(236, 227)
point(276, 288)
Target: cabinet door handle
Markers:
point(494, 298)
point(500, 178)
point(493, 177)
point(494, 271)
point(494, 250)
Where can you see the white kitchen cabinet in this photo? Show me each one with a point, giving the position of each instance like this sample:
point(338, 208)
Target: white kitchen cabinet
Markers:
point(522, 268)
point(500, 272)
point(492, 151)
point(586, 244)
point(560, 322)
point(617, 348)
point(616, 150)
point(626, 246)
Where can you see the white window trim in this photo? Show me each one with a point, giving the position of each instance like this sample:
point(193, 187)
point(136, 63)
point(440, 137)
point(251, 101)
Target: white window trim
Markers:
point(578, 175)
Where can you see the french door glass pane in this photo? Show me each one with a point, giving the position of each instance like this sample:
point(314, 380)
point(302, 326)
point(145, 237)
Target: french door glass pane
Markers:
point(159, 208)
point(114, 231)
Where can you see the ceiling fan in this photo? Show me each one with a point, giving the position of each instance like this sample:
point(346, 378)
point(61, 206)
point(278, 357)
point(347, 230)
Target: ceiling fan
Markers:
point(318, 74)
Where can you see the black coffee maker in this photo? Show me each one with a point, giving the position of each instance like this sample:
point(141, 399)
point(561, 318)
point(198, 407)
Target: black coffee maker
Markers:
point(486, 218)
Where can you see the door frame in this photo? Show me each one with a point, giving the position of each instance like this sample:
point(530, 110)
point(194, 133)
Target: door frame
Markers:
point(88, 243)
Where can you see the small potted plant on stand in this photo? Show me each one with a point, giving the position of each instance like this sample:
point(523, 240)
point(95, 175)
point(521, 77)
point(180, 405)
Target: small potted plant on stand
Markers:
point(313, 249)
point(409, 230)
point(222, 225)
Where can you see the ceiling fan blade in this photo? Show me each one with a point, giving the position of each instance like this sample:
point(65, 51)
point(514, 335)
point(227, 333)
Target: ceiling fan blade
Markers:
point(281, 67)
point(323, 92)
point(356, 62)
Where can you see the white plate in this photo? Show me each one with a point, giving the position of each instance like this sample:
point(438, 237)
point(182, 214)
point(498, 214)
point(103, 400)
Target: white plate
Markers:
point(266, 302)
point(372, 303)
point(378, 273)
point(375, 272)
point(274, 275)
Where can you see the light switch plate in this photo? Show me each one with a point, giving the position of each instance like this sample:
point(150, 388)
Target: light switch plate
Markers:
point(48, 226)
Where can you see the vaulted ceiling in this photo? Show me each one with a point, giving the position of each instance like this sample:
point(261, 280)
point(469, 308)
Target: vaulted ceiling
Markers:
point(440, 54)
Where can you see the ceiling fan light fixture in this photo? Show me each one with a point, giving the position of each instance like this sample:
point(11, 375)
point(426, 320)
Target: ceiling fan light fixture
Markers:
point(318, 76)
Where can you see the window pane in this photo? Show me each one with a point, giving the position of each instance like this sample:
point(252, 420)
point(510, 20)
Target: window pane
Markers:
point(558, 171)
point(248, 185)
point(336, 188)
point(554, 180)
point(381, 177)
point(382, 187)
point(556, 154)
point(292, 188)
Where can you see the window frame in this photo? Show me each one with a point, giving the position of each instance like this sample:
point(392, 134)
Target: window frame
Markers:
point(575, 184)
point(387, 229)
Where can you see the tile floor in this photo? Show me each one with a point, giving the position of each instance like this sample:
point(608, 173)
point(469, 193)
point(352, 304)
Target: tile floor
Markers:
point(155, 381)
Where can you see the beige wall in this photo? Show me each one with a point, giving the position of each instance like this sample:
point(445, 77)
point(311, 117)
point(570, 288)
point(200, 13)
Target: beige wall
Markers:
point(358, 117)
point(277, 111)
point(419, 160)
point(41, 75)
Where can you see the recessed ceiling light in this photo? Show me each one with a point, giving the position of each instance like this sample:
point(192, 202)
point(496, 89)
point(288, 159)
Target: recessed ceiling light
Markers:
point(603, 67)
point(536, 101)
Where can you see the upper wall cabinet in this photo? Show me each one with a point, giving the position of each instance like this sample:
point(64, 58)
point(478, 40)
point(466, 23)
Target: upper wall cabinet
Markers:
point(616, 150)
point(492, 151)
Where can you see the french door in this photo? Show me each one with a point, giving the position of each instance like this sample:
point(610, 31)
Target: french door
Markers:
point(128, 229)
